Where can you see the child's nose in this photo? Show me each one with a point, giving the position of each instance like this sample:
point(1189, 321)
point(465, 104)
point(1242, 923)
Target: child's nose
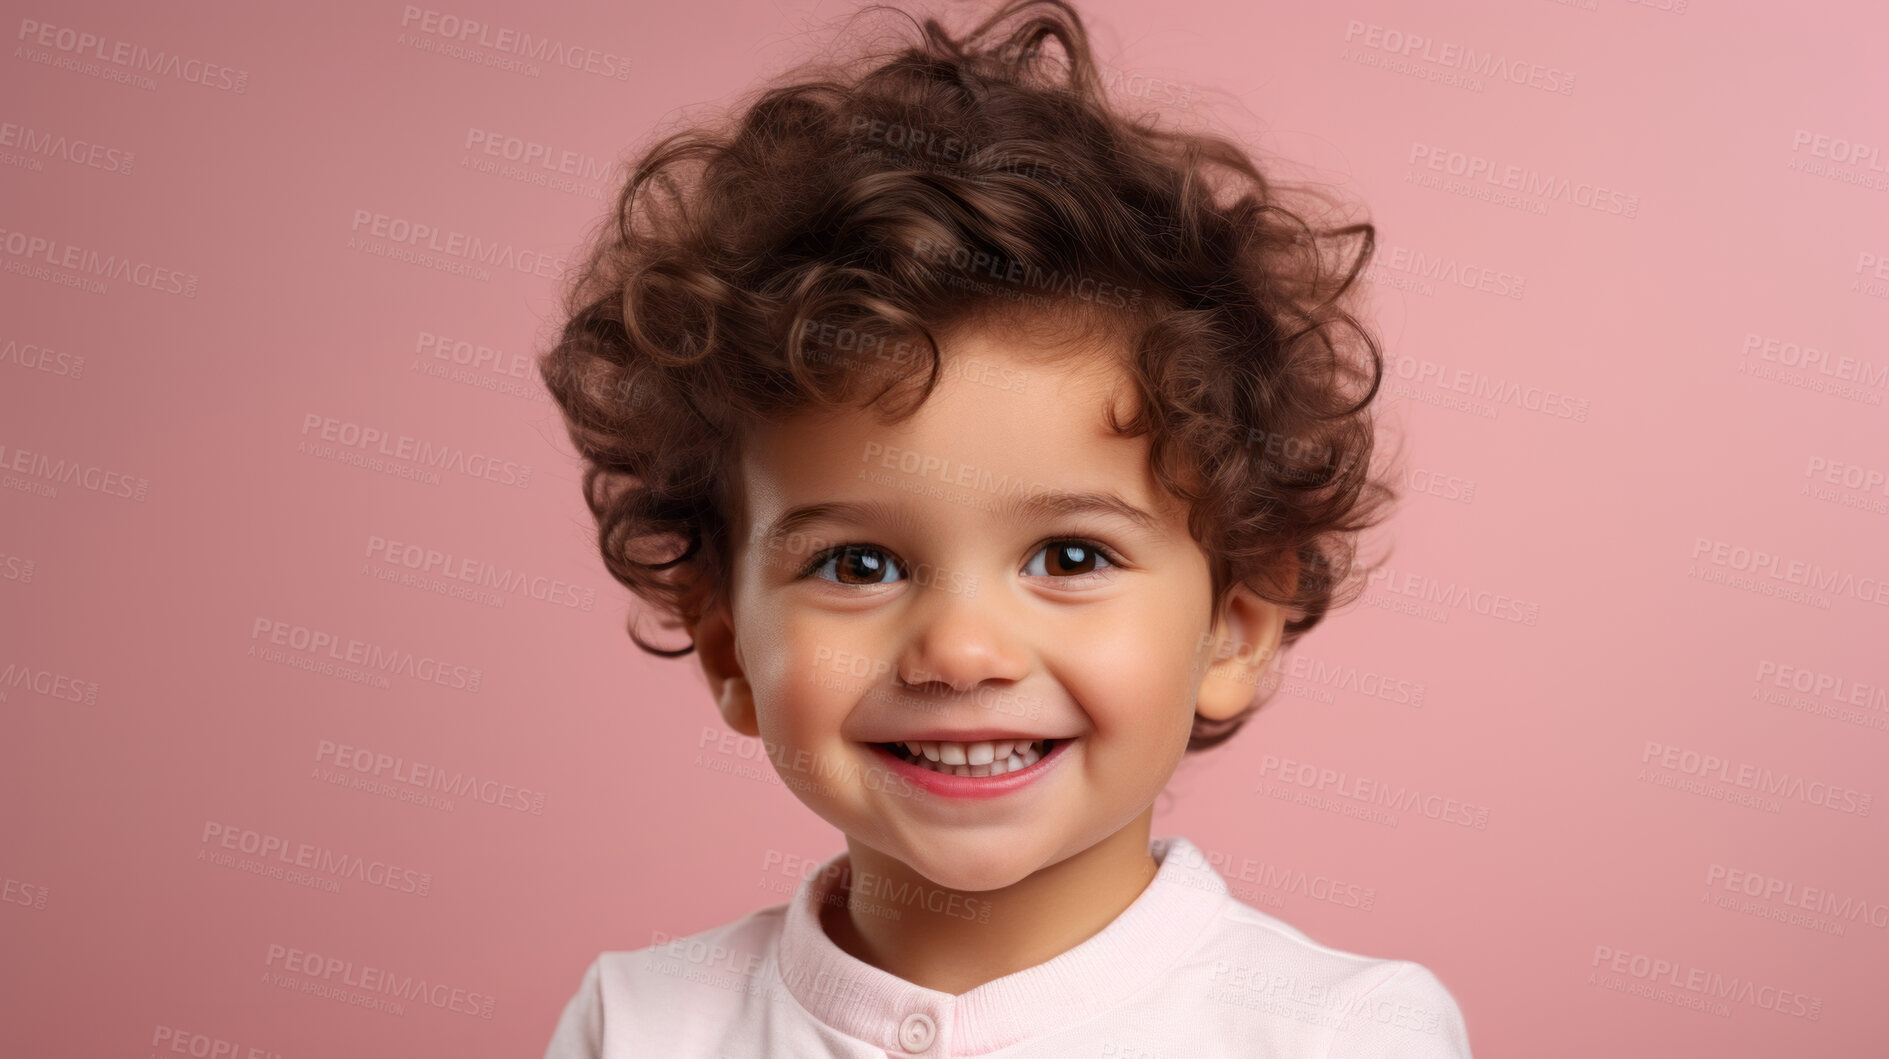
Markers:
point(960, 643)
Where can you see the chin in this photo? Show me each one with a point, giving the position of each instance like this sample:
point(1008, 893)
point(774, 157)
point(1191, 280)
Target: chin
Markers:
point(974, 872)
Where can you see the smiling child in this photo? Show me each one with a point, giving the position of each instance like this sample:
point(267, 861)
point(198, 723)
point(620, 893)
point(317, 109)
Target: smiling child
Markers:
point(987, 444)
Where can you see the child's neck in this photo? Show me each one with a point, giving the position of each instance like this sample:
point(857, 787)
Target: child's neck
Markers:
point(1031, 921)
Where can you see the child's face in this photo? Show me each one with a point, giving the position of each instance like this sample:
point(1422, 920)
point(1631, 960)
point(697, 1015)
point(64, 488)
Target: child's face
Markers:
point(954, 617)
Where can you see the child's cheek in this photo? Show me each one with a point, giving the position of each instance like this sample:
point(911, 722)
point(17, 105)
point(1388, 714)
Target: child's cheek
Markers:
point(803, 685)
point(828, 660)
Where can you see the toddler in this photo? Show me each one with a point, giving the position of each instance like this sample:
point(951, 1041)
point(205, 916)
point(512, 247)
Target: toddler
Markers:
point(985, 442)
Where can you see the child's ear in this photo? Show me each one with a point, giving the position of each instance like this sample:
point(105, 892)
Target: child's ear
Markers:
point(721, 663)
point(1250, 629)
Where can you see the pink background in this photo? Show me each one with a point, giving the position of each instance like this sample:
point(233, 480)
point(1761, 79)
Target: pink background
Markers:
point(137, 721)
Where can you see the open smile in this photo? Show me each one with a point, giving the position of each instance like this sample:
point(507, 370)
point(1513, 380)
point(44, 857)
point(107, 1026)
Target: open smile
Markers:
point(946, 769)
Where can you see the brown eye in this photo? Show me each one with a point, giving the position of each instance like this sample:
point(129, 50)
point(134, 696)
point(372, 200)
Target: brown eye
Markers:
point(1070, 559)
point(855, 564)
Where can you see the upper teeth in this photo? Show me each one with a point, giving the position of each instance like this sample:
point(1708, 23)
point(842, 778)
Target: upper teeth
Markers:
point(968, 753)
point(993, 758)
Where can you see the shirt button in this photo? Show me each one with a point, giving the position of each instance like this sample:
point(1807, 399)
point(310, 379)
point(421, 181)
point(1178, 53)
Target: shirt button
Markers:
point(917, 1032)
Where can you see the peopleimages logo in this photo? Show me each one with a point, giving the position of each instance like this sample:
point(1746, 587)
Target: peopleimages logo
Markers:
point(1371, 792)
point(1345, 677)
point(1698, 765)
point(42, 474)
point(41, 144)
point(1306, 998)
point(531, 153)
point(418, 236)
point(430, 565)
point(1477, 385)
point(24, 250)
point(1831, 695)
point(1709, 990)
point(426, 776)
point(362, 985)
point(1866, 375)
point(372, 658)
point(1756, 562)
point(1427, 589)
point(1455, 56)
point(1840, 150)
point(1524, 180)
point(1278, 878)
point(471, 32)
point(1838, 688)
point(31, 357)
point(267, 847)
point(129, 57)
point(1431, 269)
point(1815, 899)
point(330, 437)
point(48, 683)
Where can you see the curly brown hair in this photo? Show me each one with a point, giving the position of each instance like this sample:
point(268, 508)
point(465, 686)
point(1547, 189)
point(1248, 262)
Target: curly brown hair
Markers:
point(899, 195)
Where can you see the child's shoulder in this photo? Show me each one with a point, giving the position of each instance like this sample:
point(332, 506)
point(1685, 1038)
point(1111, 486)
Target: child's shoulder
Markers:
point(1254, 962)
point(740, 946)
point(713, 975)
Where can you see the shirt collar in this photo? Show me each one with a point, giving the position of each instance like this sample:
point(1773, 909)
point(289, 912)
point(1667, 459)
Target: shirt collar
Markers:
point(1137, 948)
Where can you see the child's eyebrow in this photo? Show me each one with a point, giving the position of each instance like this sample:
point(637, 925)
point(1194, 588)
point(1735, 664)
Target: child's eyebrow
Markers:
point(1035, 504)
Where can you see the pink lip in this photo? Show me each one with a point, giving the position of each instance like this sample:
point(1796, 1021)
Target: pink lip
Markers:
point(946, 785)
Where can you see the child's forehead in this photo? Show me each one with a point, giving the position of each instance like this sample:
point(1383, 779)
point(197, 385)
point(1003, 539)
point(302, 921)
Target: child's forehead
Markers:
point(1016, 409)
point(981, 434)
point(991, 385)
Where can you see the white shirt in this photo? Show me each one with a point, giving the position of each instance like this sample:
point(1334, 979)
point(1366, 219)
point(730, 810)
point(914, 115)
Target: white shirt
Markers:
point(1185, 971)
